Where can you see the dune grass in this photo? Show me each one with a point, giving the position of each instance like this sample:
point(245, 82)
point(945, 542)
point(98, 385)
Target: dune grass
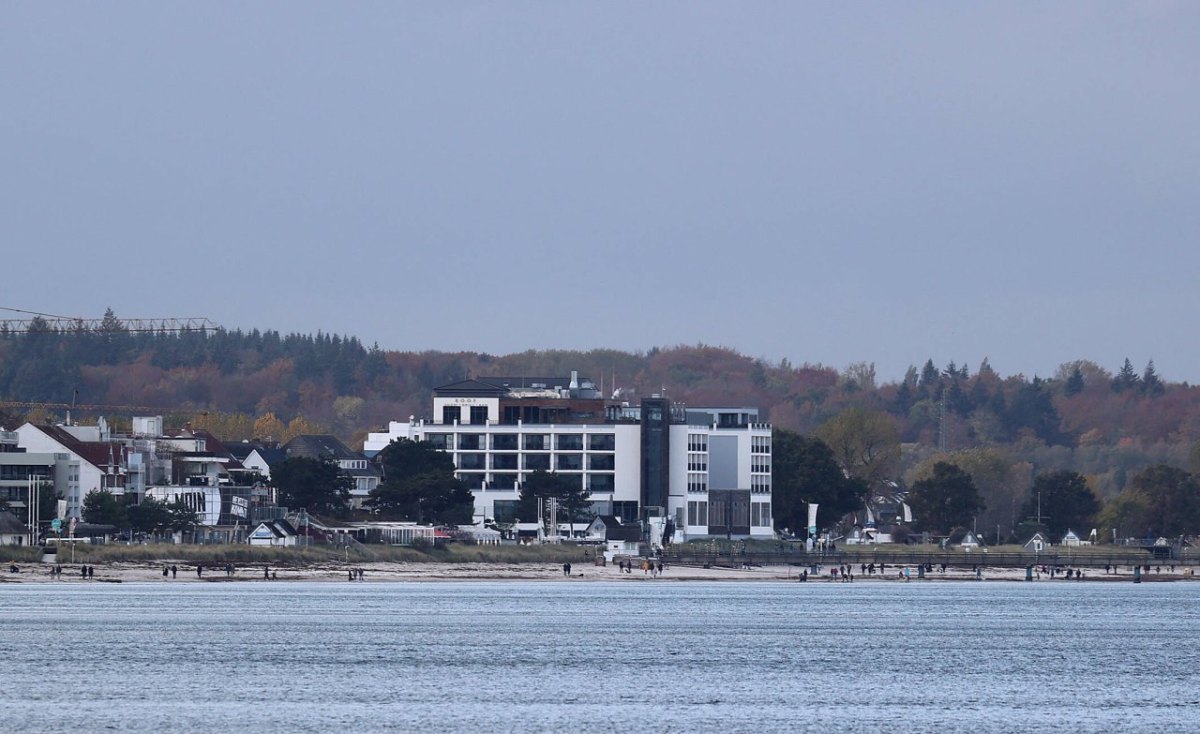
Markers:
point(243, 554)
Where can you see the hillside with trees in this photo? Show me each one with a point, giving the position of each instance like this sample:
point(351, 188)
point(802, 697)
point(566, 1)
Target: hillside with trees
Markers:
point(1107, 426)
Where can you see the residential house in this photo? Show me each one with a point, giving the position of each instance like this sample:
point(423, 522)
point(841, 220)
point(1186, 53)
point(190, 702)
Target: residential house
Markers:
point(353, 464)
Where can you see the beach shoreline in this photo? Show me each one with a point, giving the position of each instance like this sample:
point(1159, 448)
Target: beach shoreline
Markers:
point(146, 572)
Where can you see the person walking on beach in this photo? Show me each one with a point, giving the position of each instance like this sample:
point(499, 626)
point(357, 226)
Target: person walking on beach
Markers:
point(166, 572)
point(174, 571)
point(566, 569)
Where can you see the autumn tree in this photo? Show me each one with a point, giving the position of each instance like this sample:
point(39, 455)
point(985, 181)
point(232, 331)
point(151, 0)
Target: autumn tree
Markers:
point(1001, 479)
point(1160, 501)
point(865, 443)
point(268, 427)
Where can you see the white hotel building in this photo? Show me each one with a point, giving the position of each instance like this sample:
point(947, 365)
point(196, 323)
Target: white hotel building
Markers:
point(705, 470)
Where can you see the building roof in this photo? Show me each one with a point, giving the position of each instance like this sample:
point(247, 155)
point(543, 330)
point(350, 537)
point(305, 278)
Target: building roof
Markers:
point(316, 446)
point(501, 386)
point(10, 525)
point(614, 530)
point(271, 456)
point(278, 528)
point(97, 453)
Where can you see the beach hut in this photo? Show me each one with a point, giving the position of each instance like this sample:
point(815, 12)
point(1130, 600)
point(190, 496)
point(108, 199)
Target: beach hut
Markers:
point(619, 539)
point(1071, 540)
point(970, 541)
point(1037, 543)
point(274, 533)
point(12, 530)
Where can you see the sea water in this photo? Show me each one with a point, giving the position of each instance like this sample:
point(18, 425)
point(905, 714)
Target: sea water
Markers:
point(629, 656)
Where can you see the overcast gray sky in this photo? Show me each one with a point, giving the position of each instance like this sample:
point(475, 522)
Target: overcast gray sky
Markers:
point(825, 182)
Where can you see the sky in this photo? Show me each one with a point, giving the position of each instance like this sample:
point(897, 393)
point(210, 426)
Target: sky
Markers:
point(823, 182)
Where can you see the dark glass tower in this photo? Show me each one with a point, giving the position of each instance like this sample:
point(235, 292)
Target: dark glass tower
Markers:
point(656, 454)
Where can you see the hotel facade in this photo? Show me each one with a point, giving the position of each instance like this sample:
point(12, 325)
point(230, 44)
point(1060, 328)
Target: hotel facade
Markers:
point(701, 472)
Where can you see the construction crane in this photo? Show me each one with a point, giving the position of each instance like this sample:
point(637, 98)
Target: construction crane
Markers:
point(171, 324)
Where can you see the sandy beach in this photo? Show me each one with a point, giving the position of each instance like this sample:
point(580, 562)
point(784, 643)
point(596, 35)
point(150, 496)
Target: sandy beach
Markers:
point(130, 572)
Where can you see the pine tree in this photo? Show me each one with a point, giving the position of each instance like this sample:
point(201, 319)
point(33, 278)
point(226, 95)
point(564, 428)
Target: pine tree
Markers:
point(1126, 379)
point(1151, 384)
point(1074, 383)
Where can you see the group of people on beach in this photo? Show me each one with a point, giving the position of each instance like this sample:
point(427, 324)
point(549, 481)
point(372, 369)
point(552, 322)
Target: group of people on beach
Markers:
point(649, 567)
point(356, 574)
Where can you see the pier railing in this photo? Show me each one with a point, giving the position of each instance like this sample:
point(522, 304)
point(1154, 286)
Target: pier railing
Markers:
point(1125, 559)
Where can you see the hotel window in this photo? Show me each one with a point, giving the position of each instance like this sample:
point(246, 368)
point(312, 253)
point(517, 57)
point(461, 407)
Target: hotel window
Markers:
point(698, 513)
point(697, 482)
point(504, 442)
point(537, 442)
point(602, 442)
point(697, 442)
point(601, 463)
point(471, 442)
point(569, 462)
point(697, 462)
point(506, 462)
point(601, 482)
point(534, 462)
point(760, 444)
point(503, 481)
point(760, 484)
point(473, 480)
point(570, 442)
point(760, 514)
point(451, 414)
point(505, 510)
point(472, 461)
point(760, 464)
point(479, 415)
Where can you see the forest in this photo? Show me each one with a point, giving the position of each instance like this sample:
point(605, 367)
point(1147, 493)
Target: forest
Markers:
point(1105, 424)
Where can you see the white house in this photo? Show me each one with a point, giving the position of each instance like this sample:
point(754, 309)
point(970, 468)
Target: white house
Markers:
point(93, 464)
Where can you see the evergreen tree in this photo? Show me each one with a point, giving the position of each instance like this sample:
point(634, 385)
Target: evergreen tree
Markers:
point(1074, 383)
point(317, 485)
point(946, 500)
point(1064, 501)
point(1126, 379)
point(1151, 385)
point(101, 507)
point(804, 471)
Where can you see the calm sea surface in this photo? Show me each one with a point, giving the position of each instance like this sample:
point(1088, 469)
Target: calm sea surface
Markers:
point(605, 657)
